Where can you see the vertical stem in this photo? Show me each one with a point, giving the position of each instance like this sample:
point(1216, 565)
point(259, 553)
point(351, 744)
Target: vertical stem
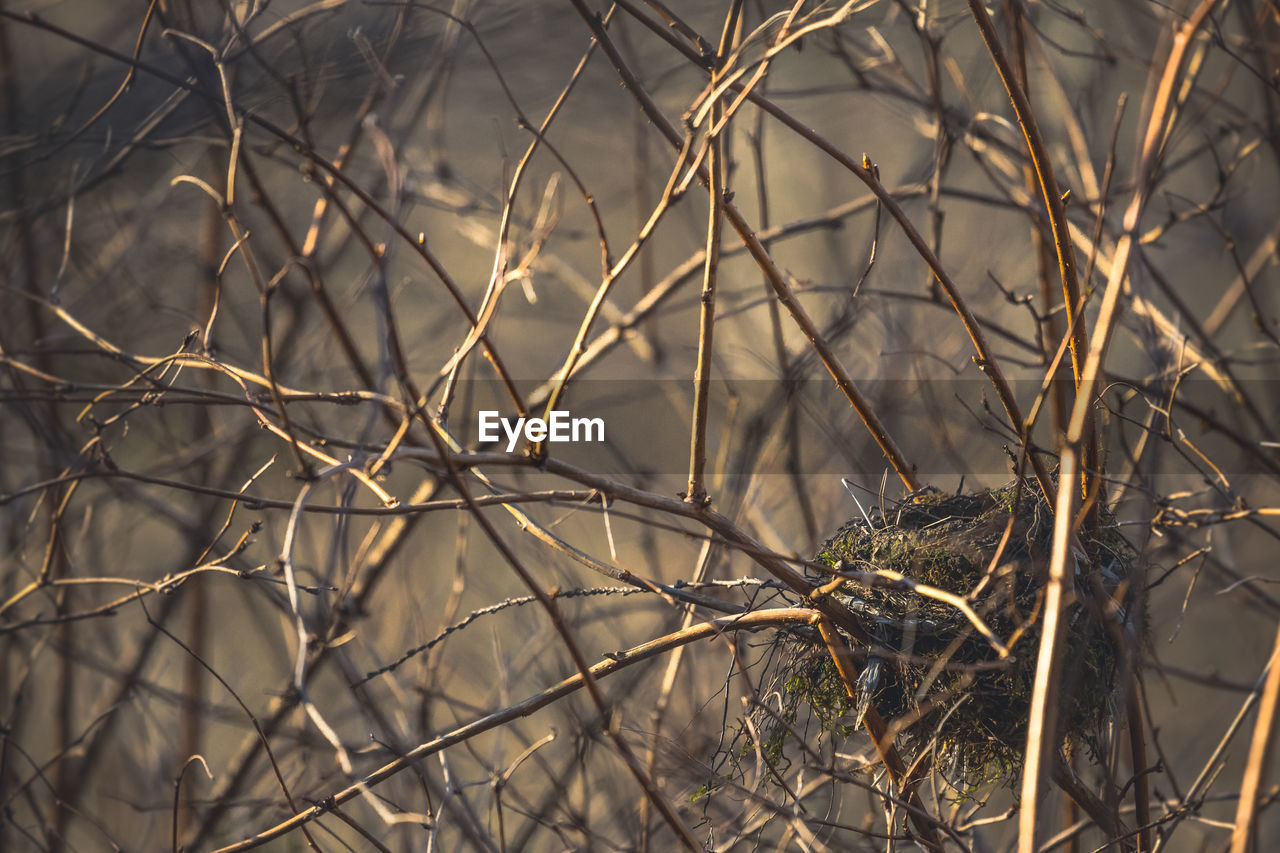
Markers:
point(1071, 810)
point(718, 172)
point(697, 492)
point(197, 600)
point(1042, 724)
point(906, 781)
point(1044, 175)
point(64, 712)
point(780, 287)
point(792, 428)
point(1162, 111)
point(1050, 332)
point(1053, 201)
point(1138, 751)
point(1242, 837)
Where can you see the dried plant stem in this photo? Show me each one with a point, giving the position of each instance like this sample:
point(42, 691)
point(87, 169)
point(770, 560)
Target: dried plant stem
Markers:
point(880, 736)
point(669, 196)
point(313, 157)
point(905, 472)
point(901, 467)
point(1048, 330)
point(608, 717)
point(889, 579)
point(1243, 837)
point(985, 358)
point(636, 654)
point(240, 376)
point(498, 276)
point(1045, 178)
point(1158, 124)
point(253, 720)
point(777, 566)
point(153, 372)
point(1138, 754)
point(1042, 725)
point(1049, 191)
point(1089, 802)
point(378, 559)
point(696, 492)
point(226, 207)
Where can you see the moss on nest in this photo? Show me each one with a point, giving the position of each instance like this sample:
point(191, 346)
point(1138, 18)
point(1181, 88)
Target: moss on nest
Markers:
point(942, 685)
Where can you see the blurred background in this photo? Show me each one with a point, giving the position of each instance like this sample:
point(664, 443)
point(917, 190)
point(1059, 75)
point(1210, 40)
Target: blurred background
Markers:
point(246, 246)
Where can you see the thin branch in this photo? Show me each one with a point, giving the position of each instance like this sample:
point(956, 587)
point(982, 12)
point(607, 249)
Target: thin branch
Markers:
point(603, 669)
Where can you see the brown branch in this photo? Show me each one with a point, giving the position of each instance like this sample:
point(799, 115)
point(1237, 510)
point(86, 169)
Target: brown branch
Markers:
point(603, 669)
point(905, 472)
point(696, 492)
point(1045, 178)
point(1158, 124)
point(875, 725)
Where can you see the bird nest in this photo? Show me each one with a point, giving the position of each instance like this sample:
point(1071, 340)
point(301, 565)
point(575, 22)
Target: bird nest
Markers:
point(955, 619)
